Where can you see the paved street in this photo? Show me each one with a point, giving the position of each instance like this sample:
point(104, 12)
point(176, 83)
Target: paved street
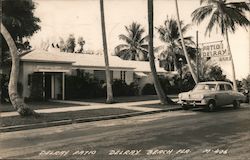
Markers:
point(195, 135)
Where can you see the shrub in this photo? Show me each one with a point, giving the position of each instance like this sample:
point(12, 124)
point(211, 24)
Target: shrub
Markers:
point(120, 88)
point(148, 89)
point(4, 88)
point(83, 87)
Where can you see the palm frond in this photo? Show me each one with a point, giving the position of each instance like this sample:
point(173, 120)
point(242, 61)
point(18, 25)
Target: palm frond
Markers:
point(239, 5)
point(121, 47)
point(215, 18)
point(201, 13)
point(125, 38)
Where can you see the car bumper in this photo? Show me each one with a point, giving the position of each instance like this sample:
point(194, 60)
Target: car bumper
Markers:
point(193, 102)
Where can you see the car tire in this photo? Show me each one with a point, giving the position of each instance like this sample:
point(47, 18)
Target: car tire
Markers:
point(184, 107)
point(211, 106)
point(236, 104)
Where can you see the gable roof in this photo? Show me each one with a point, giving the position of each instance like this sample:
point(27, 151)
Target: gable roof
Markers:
point(88, 61)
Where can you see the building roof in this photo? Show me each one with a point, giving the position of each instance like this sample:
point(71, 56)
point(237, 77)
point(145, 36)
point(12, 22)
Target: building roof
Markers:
point(88, 61)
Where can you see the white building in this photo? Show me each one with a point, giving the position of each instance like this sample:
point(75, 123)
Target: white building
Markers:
point(48, 69)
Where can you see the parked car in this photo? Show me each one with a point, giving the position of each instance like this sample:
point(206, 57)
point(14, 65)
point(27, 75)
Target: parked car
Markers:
point(246, 94)
point(211, 95)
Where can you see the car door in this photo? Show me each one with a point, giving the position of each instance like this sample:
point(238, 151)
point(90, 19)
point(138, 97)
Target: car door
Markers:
point(221, 95)
point(230, 94)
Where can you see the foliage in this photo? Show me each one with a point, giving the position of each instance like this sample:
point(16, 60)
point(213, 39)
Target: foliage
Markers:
point(148, 89)
point(169, 86)
point(122, 89)
point(188, 82)
point(70, 44)
point(4, 88)
point(85, 86)
point(81, 43)
point(135, 46)
point(62, 45)
point(172, 50)
point(19, 19)
point(226, 15)
point(246, 83)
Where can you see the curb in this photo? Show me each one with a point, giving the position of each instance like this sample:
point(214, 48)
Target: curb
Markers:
point(81, 120)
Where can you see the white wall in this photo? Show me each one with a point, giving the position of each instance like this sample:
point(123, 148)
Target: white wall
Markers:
point(27, 68)
point(129, 77)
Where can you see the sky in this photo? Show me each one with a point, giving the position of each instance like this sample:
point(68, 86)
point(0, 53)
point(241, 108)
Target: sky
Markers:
point(59, 18)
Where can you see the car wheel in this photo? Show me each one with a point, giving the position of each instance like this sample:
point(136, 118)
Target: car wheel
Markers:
point(236, 104)
point(184, 107)
point(211, 106)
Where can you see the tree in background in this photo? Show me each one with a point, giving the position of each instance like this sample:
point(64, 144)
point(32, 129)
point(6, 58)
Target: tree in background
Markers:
point(208, 71)
point(135, 47)
point(225, 15)
point(62, 45)
point(170, 35)
point(246, 83)
point(70, 44)
point(81, 43)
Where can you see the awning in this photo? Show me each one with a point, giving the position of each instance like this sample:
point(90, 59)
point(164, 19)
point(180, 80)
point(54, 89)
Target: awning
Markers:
point(141, 74)
point(55, 70)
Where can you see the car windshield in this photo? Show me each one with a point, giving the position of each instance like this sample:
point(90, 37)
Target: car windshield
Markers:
point(200, 87)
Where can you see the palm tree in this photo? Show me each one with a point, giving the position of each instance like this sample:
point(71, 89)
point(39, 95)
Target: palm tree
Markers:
point(163, 98)
point(15, 99)
point(183, 44)
point(170, 35)
point(105, 50)
point(135, 47)
point(226, 15)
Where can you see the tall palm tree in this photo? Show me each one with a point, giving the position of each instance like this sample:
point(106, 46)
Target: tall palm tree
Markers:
point(170, 35)
point(183, 44)
point(226, 15)
point(15, 99)
point(105, 50)
point(135, 46)
point(163, 98)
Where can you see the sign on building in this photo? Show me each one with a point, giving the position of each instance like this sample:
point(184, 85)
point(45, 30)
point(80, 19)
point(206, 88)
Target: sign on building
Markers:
point(214, 50)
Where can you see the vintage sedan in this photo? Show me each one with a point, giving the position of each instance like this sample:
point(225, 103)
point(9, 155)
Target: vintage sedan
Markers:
point(211, 95)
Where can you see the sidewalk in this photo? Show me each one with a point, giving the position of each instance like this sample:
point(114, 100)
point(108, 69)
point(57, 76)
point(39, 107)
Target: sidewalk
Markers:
point(80, 112)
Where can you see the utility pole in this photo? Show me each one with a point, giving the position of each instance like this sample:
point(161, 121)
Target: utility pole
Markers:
point(197, 55)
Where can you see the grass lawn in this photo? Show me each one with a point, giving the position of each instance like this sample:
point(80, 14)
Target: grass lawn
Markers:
point(36, 105)
point(49, 117)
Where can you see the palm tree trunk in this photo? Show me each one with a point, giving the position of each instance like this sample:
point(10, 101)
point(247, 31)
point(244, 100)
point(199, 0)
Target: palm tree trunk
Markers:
point(232, 62)
point(163, 98)
point(183, 45)
point(15, 99)
point(105, 50)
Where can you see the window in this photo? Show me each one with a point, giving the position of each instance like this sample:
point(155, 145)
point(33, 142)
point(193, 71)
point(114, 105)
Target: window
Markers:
point(229, 87)
point(222, 87)
point(123, 75)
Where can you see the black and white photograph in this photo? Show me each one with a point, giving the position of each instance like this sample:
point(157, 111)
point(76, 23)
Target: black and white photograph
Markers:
point(125, 80)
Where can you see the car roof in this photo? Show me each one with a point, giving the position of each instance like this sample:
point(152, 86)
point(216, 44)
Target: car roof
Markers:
point(215, 82)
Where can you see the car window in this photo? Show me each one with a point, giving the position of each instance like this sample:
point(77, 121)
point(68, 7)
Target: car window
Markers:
point(205, 87)
point(222, 87)
point(228, 87)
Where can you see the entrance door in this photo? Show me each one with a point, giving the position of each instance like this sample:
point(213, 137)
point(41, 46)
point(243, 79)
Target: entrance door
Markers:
point(47, 86)
point(36, 91)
